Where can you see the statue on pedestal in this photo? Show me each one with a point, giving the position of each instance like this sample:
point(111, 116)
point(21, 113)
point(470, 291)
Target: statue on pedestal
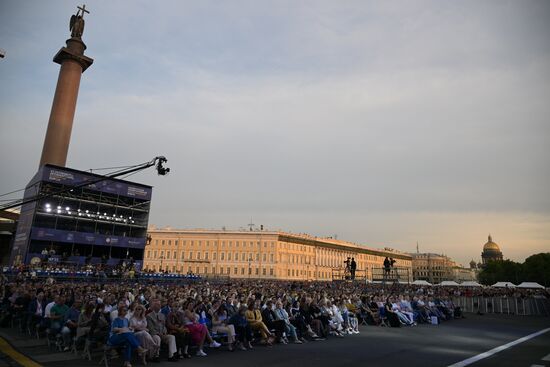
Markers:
point(76, 25)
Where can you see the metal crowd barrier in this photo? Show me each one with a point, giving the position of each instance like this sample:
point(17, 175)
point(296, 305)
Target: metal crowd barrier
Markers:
point(530, 306)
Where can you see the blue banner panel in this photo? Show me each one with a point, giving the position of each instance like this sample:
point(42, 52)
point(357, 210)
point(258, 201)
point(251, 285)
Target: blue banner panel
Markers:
point(24, 225)
point(73, 178)
point(48, 234)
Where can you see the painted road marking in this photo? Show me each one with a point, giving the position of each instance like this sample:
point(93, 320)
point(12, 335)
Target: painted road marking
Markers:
point(489, 353)
point(547, 358)
point(18, 357)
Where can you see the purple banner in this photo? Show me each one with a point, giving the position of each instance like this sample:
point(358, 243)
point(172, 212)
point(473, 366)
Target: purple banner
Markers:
point(47, 234)
point(111, 186)
point(21, 242)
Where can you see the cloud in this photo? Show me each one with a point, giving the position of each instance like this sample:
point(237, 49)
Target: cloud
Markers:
point(309, 114)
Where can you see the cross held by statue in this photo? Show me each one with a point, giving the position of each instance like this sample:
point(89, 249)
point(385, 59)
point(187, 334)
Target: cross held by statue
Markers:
point(83, 9)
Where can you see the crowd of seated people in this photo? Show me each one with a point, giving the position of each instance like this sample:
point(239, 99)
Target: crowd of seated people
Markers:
point(170, 320)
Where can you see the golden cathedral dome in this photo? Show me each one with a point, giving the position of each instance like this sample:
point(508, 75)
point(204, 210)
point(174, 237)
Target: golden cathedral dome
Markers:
point(491, 246)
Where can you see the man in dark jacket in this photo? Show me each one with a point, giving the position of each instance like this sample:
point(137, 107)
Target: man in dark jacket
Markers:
point(36, 310)
point(270, 319)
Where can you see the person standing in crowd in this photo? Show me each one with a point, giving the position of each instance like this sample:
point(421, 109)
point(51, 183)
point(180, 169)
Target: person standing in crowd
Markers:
point(353, 267)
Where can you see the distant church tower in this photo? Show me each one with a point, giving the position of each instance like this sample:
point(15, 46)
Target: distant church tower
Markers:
point(491, 252)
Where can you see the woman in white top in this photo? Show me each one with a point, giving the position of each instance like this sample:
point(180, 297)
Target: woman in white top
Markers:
point(219, 324)
point(138, 323)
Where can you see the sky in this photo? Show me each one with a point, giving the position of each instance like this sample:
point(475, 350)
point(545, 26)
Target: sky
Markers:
point(385, 123)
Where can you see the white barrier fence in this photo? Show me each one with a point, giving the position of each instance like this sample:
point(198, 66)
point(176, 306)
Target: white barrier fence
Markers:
point(529, 306)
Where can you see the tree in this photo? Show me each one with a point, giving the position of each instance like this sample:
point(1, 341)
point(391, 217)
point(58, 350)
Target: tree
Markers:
point(536, 268)
point(500, 271)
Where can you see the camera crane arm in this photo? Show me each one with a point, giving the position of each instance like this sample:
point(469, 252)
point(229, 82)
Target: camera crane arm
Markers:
point(158, 161)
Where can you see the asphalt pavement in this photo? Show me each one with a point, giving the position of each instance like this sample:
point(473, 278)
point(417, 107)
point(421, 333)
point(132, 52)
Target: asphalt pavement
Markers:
point(422, 345)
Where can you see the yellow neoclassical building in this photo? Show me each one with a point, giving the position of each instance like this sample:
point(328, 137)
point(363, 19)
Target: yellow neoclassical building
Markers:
point(259, 254)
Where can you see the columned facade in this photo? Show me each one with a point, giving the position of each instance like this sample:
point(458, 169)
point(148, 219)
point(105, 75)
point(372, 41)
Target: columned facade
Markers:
point(258, 254)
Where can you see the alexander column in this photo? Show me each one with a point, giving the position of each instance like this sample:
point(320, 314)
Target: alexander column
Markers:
point(73, 64)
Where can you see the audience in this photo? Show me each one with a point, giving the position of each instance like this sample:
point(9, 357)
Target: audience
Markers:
point(141, 315)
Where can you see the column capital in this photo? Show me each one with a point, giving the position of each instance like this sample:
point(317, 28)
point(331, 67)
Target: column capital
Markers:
point(74, 51)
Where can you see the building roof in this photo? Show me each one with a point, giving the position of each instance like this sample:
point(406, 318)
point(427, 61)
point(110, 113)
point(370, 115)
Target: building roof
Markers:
point(302, 239)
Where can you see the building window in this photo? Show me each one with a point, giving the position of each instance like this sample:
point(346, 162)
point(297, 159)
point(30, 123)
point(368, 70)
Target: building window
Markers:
point(271, 258)
point(162, 254)
point(228, 270)
point(162, 243)
point(222, 255)
point(257, 271)
point(229, 256)
point(156, 242)
point(242, 271)
point(214, 256)
point(257, 257)
point(205, 269)
point(206, 255)
point(263, 271)
point(175, 255)
point(167, 254)
point(235, 271)
point(169, 242)
point(155, 254)
point(149, 254)
point(182, 254)
point(190, 255)
point(271, 271)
